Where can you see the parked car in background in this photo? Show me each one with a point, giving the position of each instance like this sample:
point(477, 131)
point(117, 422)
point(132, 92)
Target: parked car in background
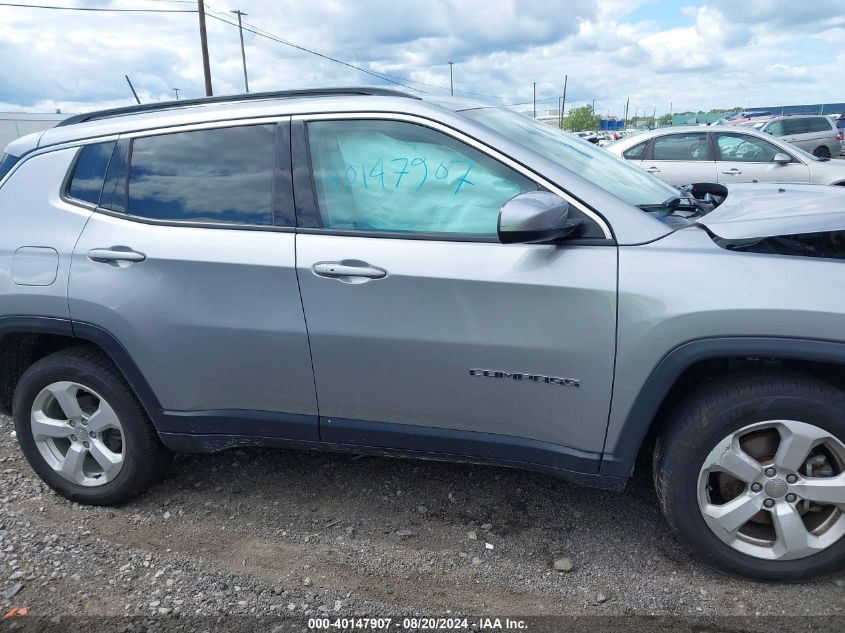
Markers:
point(816, 134)
point(592, 137)
point(725, 154)
point(840, 125)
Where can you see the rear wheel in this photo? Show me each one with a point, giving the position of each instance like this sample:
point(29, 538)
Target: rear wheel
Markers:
point(83, 431)
point(821, 152)
point(751, 473)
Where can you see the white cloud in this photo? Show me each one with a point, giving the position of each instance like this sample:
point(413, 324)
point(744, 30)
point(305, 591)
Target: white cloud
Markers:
point(720, 53)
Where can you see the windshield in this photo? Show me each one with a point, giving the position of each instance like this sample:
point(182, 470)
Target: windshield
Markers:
point(589, 161)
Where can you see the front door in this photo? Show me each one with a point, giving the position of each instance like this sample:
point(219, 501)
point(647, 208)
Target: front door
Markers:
point(746, 158)
point(428, 333)
point(187, 264)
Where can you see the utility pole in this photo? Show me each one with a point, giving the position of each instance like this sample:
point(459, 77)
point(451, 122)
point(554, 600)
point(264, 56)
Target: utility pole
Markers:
point(451, 80)
point(670, 113)
point(176, 90)
point(627, 103)
point(594, 106)
point(206, 68)
point(535, 99)
point(239, 13)
point(560, 112)
point(563, 101)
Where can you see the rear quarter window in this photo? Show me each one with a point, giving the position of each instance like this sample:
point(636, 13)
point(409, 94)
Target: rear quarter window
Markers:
point(6, 163)
point(86, 183)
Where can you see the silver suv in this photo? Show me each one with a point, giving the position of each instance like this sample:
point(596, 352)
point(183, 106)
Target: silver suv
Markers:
point(815, 134)
point(362, 270)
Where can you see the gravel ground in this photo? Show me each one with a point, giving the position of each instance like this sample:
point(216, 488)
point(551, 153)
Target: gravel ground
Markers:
point(263, 533)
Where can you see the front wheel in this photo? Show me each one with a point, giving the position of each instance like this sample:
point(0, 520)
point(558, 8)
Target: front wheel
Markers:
point(83, 431)
point(751, 473)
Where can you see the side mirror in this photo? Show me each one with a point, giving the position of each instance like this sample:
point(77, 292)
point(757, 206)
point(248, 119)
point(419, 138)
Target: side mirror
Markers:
point(535, 217)
point(782, 158)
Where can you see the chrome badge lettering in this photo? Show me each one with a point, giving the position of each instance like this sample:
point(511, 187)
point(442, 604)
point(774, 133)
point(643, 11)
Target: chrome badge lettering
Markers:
point(549, 380)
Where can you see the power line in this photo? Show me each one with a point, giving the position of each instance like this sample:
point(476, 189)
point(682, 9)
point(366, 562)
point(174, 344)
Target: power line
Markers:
point(97, 9)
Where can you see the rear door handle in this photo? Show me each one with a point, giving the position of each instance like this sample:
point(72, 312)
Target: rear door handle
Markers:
point(342, 271)
point(732, 172)
point(115, 254)
point(653, 170)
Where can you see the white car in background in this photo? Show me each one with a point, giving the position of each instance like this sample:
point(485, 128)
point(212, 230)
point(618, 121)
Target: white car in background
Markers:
point(725, 154)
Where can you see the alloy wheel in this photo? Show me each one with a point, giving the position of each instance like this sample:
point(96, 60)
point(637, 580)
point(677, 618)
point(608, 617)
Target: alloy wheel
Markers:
point(77, 433)
point(775, 490)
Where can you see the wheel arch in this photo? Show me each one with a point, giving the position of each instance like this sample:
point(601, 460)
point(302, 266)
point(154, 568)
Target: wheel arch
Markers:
point(26, 339)
point(680, 370)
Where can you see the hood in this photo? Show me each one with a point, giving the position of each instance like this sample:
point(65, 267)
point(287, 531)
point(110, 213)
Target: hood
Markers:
point(770, 210)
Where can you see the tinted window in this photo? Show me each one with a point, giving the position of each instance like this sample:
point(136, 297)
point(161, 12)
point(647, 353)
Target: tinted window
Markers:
point(692, 146)
point(819, 125)
point(6, 163)
point(394, 176)
point(636, 152)
point(90, 171)
point(222, 175)
point(744, 148)
point(795, 126)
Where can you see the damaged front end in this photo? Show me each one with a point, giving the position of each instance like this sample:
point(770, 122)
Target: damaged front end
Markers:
point(829, 245)
point(795, 220)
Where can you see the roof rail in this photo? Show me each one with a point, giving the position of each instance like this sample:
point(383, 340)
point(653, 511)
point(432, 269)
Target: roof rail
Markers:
point(255, 96)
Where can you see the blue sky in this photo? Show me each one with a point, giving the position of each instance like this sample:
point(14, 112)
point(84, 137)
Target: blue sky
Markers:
point(692, 54)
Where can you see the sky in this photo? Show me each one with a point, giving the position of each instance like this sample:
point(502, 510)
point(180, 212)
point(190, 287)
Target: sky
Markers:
point(686, 54)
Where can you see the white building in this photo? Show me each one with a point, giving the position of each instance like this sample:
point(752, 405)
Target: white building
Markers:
point(16, 124)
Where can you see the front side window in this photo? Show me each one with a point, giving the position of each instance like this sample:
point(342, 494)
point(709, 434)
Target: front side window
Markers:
point(746, 149)
point(401, 177)
point(90, 171)
point(222, 175)
point(692, 146)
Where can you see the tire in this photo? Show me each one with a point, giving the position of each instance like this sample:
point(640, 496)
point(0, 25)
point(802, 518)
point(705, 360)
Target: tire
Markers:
point(704, 421)
point(821, 152)
point(94, 379)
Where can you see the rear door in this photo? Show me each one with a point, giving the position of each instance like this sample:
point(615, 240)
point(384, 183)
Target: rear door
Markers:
point(681, 158)
point(746, 158)
point(425, 331)
point(189, 263)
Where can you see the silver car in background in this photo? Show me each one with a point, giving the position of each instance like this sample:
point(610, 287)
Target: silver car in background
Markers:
point(816, 134)
point(725, 154)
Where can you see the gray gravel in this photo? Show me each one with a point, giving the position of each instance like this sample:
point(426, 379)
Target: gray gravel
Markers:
point(265, 532)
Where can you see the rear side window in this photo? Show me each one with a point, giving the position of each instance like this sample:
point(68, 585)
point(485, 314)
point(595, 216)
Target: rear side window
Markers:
point(636, 152)
point(90, 171)
point(6, 163)
point(691, 146)
point(820, 124)
point(795, 126)
point(222, 175)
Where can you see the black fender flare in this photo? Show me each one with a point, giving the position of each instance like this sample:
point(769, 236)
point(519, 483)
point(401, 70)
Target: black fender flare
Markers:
point(86, 332)
point(637, 423)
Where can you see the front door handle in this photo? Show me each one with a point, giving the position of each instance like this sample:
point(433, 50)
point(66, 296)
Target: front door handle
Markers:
point(349, 272)
point(732, 172)
point(653, 170)
point(115, 254)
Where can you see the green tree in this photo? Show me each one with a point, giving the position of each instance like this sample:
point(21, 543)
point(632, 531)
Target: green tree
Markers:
point(665, 119)
point(580, 119)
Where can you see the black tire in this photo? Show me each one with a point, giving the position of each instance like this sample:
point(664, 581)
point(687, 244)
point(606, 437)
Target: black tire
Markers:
point(145, 457)
point(709, 415)
point(821, 152)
